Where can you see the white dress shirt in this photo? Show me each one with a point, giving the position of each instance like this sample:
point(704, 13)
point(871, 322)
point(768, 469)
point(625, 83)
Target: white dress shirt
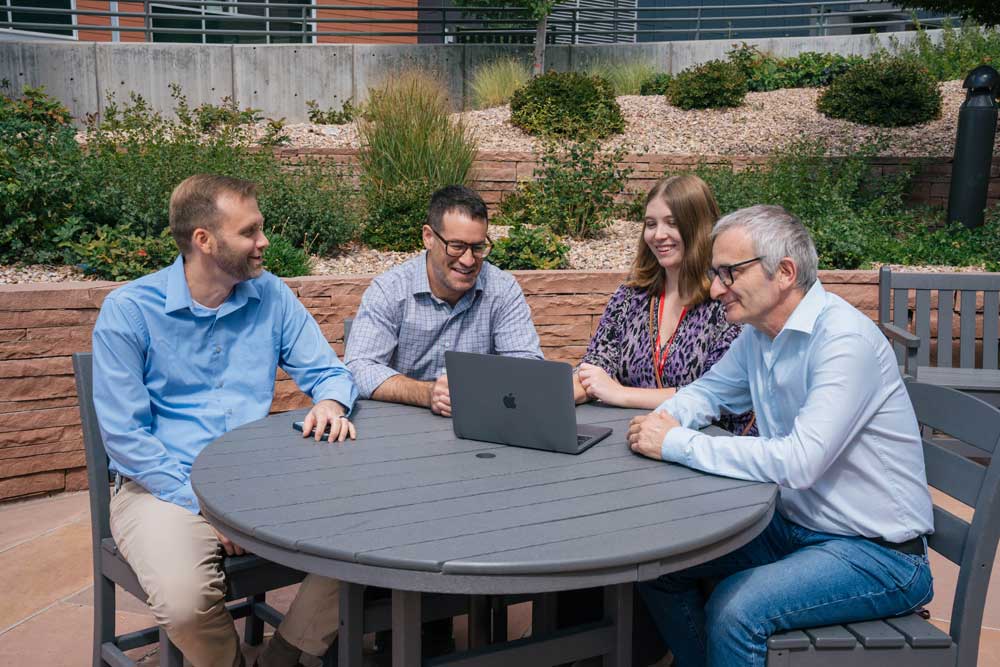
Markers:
point(837, 429)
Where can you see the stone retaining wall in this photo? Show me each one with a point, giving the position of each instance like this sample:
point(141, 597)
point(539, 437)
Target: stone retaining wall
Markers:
point(41, 325)
point(494, 173)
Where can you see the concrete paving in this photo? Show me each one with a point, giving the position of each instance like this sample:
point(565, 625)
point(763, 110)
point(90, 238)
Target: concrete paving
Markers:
point(47, 590)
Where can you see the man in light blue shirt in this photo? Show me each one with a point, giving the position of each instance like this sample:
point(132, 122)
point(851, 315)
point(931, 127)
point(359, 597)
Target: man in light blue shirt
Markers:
point(837, 434)
point(182, 356)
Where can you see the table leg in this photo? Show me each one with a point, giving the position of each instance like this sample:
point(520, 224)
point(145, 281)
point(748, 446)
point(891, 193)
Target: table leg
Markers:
point(479, 621)
point(498, 635)
point(543, 614)
point(352, 617)
point(618, 610)
point(405, 628)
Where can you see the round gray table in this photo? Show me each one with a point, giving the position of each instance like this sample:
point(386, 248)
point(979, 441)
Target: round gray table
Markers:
point(410, 507)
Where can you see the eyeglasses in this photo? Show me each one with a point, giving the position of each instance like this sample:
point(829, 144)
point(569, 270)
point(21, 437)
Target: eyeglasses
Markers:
point(459, 248)
point(725, 271)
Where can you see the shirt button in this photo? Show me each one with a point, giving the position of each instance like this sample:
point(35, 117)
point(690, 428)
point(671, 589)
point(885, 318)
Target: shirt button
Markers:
point(217, 349)
point(229, 412)
point(219, 385)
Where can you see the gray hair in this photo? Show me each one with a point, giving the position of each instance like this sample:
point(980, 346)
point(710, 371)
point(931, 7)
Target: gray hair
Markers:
point(775, 234)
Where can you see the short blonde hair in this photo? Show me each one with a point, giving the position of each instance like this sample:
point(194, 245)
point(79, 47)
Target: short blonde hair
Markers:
point(194, 204)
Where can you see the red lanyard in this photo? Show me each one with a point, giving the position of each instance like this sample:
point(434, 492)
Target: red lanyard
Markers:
point(660, 360)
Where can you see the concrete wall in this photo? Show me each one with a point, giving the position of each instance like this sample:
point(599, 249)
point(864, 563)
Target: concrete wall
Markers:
point(41, 325)
point(279, 79)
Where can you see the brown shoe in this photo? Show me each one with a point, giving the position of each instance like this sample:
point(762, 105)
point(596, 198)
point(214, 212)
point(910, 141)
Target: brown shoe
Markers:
point(278, 653)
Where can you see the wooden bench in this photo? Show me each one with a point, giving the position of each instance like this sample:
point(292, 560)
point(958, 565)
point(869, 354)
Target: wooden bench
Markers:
point(910, 640)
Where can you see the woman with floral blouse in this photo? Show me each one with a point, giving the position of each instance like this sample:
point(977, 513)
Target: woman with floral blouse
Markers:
point(660, 330)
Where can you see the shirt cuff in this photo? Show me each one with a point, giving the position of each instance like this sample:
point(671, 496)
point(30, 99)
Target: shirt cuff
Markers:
point(183, 496)
point(337, 392)
point(677, 444)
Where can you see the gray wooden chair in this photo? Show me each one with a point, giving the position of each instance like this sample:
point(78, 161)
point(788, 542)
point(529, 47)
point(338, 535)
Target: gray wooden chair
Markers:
point(915, 307)
point(248, 577)
point(910, 640)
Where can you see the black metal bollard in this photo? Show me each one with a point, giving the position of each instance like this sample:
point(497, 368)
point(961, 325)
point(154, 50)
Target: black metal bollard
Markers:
point(977, 126)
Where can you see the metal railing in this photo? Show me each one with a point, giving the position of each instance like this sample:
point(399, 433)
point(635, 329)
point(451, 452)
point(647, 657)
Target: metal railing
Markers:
point(272, 21)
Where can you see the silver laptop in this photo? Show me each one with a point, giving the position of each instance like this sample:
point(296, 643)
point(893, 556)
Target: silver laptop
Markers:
point(513, 401)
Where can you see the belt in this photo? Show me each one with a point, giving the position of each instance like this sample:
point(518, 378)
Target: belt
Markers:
point(914, 547)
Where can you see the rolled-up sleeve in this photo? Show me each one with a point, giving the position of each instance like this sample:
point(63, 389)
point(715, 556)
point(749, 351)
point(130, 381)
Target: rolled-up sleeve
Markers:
point(373, 340)
point(124, 410)
point(308, 358)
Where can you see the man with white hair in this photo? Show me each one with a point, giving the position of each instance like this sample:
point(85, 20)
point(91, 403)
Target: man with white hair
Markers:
point(838, 436)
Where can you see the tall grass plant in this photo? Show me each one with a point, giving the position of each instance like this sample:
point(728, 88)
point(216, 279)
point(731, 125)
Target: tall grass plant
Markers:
point(494, 83)
point(626, 78)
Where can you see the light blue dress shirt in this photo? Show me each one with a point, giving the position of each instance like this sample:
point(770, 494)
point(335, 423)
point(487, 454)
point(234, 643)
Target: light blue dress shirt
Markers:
point(401, 327)
point(170, 376)
point(837, 429)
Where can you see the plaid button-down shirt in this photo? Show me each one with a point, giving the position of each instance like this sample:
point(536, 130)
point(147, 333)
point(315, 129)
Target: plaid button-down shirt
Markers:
point(401, 327)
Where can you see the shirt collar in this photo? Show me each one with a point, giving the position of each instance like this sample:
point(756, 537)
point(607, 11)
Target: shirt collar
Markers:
point(804, 317)
point(179, 294)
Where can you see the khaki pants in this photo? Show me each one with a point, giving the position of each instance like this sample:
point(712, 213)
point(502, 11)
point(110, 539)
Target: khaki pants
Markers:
point(176, 556)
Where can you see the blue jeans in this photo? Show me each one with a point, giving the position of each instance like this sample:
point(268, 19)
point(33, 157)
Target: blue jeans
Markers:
point(787, 577)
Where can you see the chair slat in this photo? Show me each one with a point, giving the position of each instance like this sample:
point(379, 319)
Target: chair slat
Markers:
point(919, 633)
point(952, 473)
point(876, 634)
point(967, 329)
point(977, 282)
point(831, 636)
point(950, 533)
point(991, 329)
point(945, 332)
point(791, 640)
point(922, 324)
point(901, 317)
point(953, 413)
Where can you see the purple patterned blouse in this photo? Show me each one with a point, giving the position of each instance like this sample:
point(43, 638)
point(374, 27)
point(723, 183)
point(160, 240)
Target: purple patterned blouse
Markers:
point(623, 346)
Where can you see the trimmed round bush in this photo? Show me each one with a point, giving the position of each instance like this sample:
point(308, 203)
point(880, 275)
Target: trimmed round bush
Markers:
point(658, 84)
point(567, 105)
point(887, 92)
point(716, 84)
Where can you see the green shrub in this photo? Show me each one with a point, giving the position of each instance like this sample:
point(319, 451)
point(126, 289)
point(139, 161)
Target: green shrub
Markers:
point(135, 157)
point(529, 247)
point(574, 191)
point(494, 83)
point(346, 114)
point(567, 105)
point(283, 259)
point(117, 253)
point(888, 92)
point(43, 196)
point(809, 69)
point(959, 51)
point(410, 147)
point(657, 84)
point(626, 78)
point(715, 85)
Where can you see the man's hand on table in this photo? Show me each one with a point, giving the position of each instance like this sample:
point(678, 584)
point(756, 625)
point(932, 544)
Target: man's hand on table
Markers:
point(646, 433)
point(328, 412)
point(232, 549)
point(440, 397)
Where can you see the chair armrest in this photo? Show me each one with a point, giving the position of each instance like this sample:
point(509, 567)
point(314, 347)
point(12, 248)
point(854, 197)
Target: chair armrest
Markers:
point(898, 335)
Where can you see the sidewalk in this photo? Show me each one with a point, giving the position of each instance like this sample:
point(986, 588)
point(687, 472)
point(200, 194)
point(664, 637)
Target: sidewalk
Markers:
point(47, 590)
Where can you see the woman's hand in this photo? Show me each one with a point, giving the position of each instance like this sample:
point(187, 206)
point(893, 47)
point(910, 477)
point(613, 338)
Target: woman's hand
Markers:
point(599, 385)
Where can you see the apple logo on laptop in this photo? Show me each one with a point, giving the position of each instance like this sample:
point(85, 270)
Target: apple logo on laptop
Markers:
point(509, 401)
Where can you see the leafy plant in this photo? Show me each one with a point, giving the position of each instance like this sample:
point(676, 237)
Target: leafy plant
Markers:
point(410, 147)
point(888, 92)
point(657, 84)
point(530, 247)
point(574, 191)
point(626, 78)
point(494, 83)
point(714, 85)
point(117, 253)
point(346, 114)
point(954, 55)
point(568, 105)
point(809, 69)
point(283, 259)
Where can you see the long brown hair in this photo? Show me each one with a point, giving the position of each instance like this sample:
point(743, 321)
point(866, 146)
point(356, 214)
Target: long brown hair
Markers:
point(695, 211)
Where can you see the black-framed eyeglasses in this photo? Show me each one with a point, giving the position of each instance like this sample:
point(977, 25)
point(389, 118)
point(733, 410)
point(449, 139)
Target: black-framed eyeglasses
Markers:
point(459, 248)
point(725, 271)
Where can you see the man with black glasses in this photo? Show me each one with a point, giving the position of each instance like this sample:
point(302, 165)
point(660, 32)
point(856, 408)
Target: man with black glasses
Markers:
point(838, 436)
point(447, 298)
